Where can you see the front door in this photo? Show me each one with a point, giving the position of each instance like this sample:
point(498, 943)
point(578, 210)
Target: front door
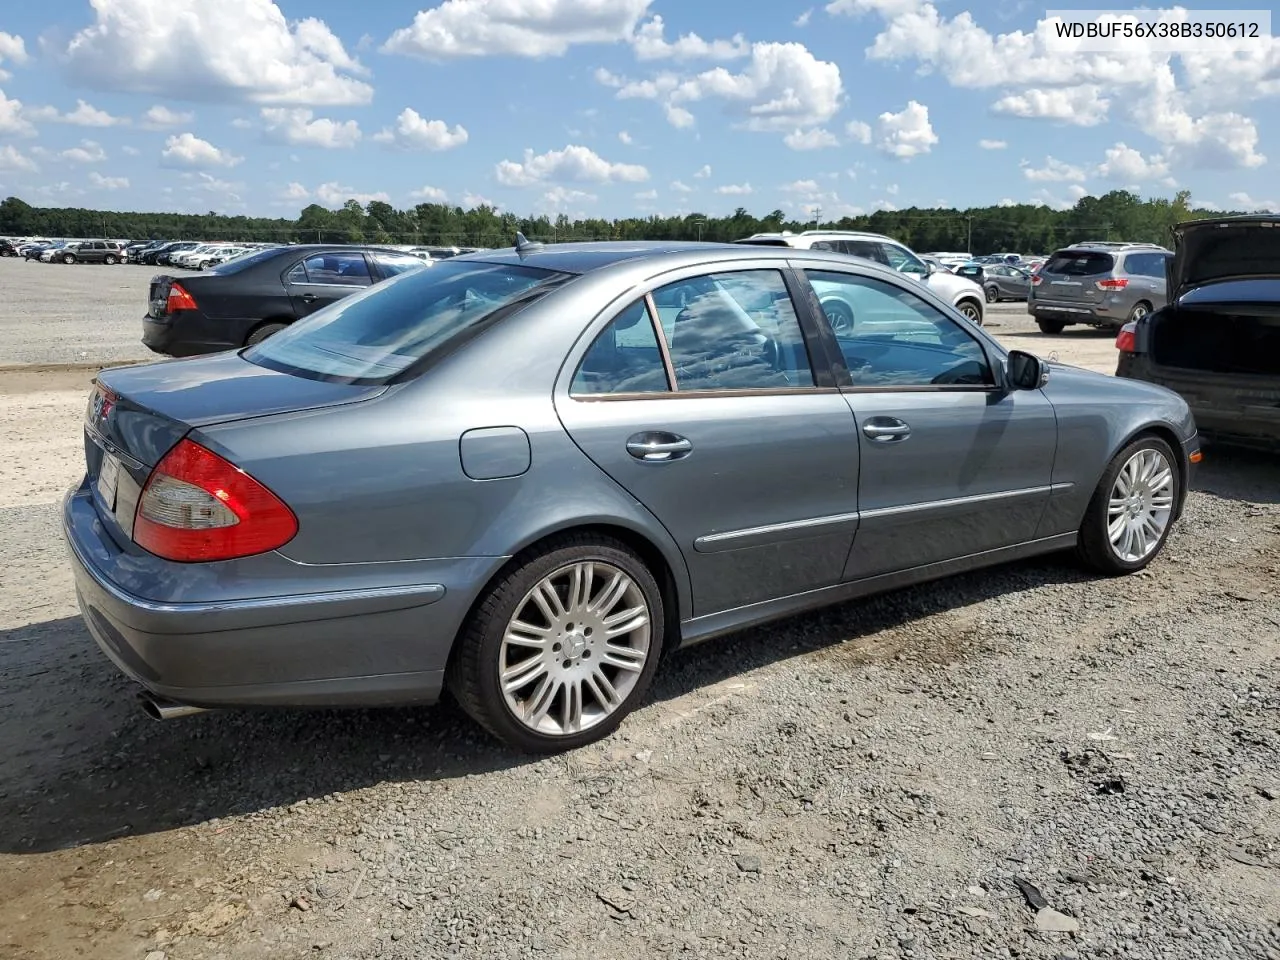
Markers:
point(951, 464)
point(702, 402)
point(326, 278)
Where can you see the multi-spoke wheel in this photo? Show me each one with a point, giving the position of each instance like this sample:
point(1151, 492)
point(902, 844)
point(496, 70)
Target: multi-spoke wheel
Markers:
point(563, 647)
point(1133, 508)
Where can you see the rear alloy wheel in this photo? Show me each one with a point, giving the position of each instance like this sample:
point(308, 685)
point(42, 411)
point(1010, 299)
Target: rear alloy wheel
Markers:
point(1139, 311)
point(109, 260)
point(68, 259)
point(1051, 326)
point(839, 315)
point(264, 331)
point(563, 648)
point(992, 294)
point(971, 311)
point(1131, 513)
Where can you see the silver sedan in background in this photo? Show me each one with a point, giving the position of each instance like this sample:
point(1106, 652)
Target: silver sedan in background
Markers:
point(525, 475)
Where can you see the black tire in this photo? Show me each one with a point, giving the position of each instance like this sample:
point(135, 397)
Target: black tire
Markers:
point(1051, 326)
point(839, 314)
point(993, 294)
point(68, 259)
point(1094, 546)
point(264, 331)
point(474, 668)
point(972, 311)
point(109, 260)
point(1140, 310)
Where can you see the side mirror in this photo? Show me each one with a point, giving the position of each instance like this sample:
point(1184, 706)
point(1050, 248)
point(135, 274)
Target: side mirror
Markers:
point(930, 269)
point(1026, 371)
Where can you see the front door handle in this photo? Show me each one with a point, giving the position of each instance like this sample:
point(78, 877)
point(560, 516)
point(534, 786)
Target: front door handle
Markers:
point(308, 298)
point(658, 446)
point(886, 429)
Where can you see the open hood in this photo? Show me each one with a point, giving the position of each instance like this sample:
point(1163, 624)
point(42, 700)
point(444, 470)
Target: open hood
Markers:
point(1223, 249)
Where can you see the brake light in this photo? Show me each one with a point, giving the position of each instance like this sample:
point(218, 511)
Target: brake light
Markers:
point(1114, 283)
point(198, 507)
point(1127, 339)
point(1036, 279)
point(179, 299)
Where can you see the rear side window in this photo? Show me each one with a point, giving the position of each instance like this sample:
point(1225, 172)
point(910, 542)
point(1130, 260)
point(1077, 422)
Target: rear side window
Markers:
point(343, 269)
point(1145, 264)
point(625, 358)
point(374, 335)
point(1079, 263)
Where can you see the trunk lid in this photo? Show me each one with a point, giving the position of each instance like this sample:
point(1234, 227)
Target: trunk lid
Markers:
point(149, 407)
point(1073, 275)
point(1223, 249)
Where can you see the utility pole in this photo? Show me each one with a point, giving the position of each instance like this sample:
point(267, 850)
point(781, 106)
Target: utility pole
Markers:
point(817, 217)
point(968, 243)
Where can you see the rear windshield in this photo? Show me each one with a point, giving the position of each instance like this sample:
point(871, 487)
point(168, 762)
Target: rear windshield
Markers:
point(372, 336)
point(1079, 263)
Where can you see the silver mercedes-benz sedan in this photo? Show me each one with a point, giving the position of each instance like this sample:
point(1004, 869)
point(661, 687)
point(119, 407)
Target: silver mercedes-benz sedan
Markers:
point(525, 475)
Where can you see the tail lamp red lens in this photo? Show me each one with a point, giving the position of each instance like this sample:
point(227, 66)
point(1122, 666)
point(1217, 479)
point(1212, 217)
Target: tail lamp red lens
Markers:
point(1113, 283)
point(199, 507)
point(179, 299)
point(1127, 338)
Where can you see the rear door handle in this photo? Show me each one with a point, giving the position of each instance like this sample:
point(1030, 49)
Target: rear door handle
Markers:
point(658, 446)
point(886, 429)
point(308, 298)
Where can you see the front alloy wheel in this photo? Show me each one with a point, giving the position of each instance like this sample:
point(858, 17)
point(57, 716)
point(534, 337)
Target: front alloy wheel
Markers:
point(563, 647)
point(971, 311)
point(1132, 510)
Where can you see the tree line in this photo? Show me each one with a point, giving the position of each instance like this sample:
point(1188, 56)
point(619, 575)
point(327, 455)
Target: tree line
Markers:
point(1023, 228)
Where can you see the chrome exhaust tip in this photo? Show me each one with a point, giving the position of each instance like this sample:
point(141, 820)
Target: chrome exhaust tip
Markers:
point(158, 708)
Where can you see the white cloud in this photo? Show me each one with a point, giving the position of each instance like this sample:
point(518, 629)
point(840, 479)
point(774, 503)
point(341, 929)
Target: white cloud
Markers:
point(1127, 165)
point(993, 144)
point(649, 44)
point(334, 195)
point(413, 132)
point(84, 115)
point(429, 195)
point(814, 139)
point(735, 190)
point(188, 150)
point(573, 164)
point(229, 50)
point(805, 188)
point(625, 138)
point(130, 151)
point(704, 172)
point(161, 117)
point(295, 126)
point(1007, 202)
point(495, 28)
point(858, 131)
point(1053, 171)
point(783, 87)
point(1082, 106)
point(1195, 112)
point(473, 200)
point(13, 118)
point(295, 192)
point(906, 134)
point(803, 19)
point(557, 199)
point(13, 159)
point(242, 123)
point(108, 183)
point(1044, 198)
point(12, 49)
point(891, 189)
point(208, 183)
point(680, 187)
point(89, 151)
point(646, 195)
point(884, 205)
point(1250, 205)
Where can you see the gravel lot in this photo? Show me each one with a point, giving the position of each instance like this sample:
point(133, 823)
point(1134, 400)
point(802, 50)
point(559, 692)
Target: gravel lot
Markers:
point(865, 782)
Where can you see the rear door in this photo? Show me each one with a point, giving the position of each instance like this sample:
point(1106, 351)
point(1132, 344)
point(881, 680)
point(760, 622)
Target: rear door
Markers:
point(703, 402)
point(1146, 279)
point(950, 463)
point(1071, 277)
point(325, 278)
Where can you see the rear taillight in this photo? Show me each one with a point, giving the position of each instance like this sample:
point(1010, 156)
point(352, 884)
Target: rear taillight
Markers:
point(197, 507)
point(1035, 279)
point(179, 299)
point(1127, 338)
point(1114, 283)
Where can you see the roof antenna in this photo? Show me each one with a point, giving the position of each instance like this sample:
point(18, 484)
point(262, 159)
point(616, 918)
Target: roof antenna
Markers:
point(524, 245)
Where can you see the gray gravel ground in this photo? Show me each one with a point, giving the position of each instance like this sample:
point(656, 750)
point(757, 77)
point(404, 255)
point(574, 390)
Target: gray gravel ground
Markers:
point(866, 782)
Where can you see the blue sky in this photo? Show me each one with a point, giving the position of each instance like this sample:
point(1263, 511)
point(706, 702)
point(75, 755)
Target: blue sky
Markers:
point(614, 107)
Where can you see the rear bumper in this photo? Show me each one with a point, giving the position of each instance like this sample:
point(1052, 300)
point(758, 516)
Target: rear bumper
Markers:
point(1227, 410)
point(189, 333)
point(1098, 314)
point(369, 646)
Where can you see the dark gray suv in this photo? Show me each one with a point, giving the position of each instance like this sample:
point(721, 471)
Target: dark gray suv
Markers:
point(1102, 284)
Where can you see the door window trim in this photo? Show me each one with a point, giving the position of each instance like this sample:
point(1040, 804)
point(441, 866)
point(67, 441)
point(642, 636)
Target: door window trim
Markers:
point(825, 380)
point(995, 361)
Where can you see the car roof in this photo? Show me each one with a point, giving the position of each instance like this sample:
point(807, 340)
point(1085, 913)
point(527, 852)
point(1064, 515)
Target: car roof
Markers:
point(582, 258)
point(1106, 246)
point(816, 235)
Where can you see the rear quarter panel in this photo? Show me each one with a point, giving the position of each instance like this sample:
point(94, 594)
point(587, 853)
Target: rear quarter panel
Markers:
point(1097, 416)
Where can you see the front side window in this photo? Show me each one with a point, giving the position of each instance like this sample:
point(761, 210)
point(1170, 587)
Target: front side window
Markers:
point(625, 358)
point(892, 338)
point(374, 335)
point(337, 269)
point(903, 260)
point(733, 331)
